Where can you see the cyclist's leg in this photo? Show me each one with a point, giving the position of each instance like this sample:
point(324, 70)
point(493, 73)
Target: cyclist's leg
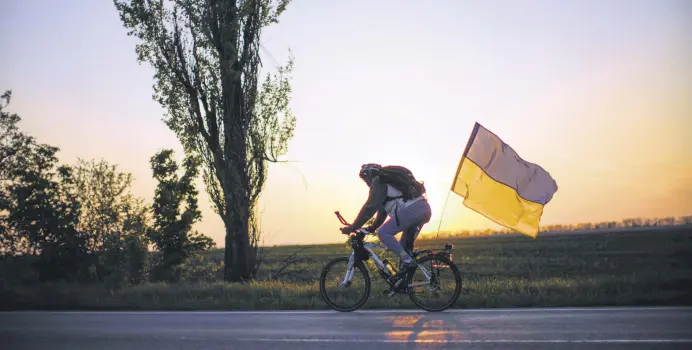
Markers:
point(410, 235)
point(386, 232)
point(409, 217)
point(407, 239)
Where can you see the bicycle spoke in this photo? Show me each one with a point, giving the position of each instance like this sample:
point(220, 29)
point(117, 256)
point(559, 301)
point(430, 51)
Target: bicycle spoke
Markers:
point(435, 285)
point(344, 296)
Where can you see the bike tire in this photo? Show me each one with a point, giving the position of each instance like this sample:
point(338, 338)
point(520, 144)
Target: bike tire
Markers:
point(332, 304)
point(457, 278)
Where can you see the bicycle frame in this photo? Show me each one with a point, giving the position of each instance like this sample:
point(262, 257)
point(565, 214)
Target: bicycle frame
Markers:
point(376, 259)
point(369, 248)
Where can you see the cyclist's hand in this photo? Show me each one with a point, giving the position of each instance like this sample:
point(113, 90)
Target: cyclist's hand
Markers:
point(347, 229)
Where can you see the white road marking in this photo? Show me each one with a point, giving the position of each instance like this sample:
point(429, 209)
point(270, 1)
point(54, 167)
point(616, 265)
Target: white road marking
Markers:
point(366, 311)
point(470, 341)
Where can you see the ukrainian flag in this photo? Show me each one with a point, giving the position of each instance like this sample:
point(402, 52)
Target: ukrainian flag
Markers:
point(501, 186)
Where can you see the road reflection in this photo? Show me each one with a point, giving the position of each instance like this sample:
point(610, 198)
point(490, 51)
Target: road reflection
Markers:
point(425, 328)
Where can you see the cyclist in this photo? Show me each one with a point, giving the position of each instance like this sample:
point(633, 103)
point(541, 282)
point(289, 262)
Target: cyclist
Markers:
point(385, 200)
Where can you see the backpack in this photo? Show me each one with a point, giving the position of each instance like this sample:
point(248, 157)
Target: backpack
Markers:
point(403, 180)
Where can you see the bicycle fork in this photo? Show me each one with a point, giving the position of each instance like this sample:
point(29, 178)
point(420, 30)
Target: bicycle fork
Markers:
point(350, 269)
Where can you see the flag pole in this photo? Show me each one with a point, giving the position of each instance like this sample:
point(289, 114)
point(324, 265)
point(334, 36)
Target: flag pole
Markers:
point(443, 214)
point(456, 176)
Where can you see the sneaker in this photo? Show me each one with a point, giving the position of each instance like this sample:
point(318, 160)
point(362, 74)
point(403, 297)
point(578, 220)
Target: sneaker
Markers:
point(404, 269)
point(408, 266)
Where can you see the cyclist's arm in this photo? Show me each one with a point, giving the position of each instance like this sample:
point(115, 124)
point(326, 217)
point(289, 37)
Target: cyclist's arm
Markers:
point(378, 193)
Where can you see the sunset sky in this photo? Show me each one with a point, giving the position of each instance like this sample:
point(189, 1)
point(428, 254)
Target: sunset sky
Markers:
point(598, 93)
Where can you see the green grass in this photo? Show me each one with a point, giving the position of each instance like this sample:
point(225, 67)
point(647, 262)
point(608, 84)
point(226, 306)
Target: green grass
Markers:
point(642, 268)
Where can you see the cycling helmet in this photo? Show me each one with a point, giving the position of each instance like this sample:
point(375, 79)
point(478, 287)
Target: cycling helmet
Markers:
point(369, 171)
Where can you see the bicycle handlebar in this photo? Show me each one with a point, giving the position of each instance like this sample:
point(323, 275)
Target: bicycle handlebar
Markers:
point(341, 218)
point(344, 222)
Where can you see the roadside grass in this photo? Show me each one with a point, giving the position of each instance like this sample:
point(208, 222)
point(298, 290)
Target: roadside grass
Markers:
point(644, 268)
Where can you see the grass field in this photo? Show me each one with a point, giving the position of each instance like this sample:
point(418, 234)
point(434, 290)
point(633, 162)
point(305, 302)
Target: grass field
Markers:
point(642, 268)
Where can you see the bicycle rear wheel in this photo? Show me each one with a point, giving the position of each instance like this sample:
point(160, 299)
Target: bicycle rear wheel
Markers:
point(344, 298)
point(444, 278)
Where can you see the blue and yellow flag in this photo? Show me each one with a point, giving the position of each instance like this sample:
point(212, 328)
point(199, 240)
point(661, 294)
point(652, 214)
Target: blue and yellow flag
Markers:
point(501, 186)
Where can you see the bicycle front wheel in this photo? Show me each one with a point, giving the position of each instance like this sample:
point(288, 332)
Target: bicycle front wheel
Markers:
point(435, 284)
point(342, 296)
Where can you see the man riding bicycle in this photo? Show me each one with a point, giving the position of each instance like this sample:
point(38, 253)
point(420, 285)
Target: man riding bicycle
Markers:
point(394, 192)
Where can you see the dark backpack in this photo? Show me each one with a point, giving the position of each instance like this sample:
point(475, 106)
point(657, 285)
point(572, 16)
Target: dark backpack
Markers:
point(403, 180)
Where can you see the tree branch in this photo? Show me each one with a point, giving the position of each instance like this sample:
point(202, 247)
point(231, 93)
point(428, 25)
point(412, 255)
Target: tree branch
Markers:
point(288, 262)
point(180, 71)
point(250, 32)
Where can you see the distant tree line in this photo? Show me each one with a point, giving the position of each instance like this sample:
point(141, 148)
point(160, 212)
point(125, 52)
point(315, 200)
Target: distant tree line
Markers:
point(586, 226)
point(630, 222)
point(81, 223)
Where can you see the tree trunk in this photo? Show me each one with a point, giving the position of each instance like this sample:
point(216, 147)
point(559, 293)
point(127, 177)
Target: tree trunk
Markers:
point(237, 253)
point(228, 253)
point(237, 192)
point(241, 265)
point(236, 257)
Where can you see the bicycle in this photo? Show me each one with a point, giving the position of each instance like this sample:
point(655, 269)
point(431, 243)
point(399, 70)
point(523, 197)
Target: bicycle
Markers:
point(362, 251)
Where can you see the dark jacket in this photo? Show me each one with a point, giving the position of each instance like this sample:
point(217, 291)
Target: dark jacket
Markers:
point(374, 205)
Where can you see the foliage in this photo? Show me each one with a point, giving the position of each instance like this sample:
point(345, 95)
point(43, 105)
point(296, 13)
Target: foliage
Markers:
point(135, 253)
point(103, 197)
point(39, 206)
point(113, 220)
point(82, 223)
point(12, 142)
point(205, 54)
point(202, 268)
point(170, 233)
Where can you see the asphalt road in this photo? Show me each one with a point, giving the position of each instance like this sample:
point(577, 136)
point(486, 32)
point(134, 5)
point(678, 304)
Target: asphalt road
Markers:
point(590, 328)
